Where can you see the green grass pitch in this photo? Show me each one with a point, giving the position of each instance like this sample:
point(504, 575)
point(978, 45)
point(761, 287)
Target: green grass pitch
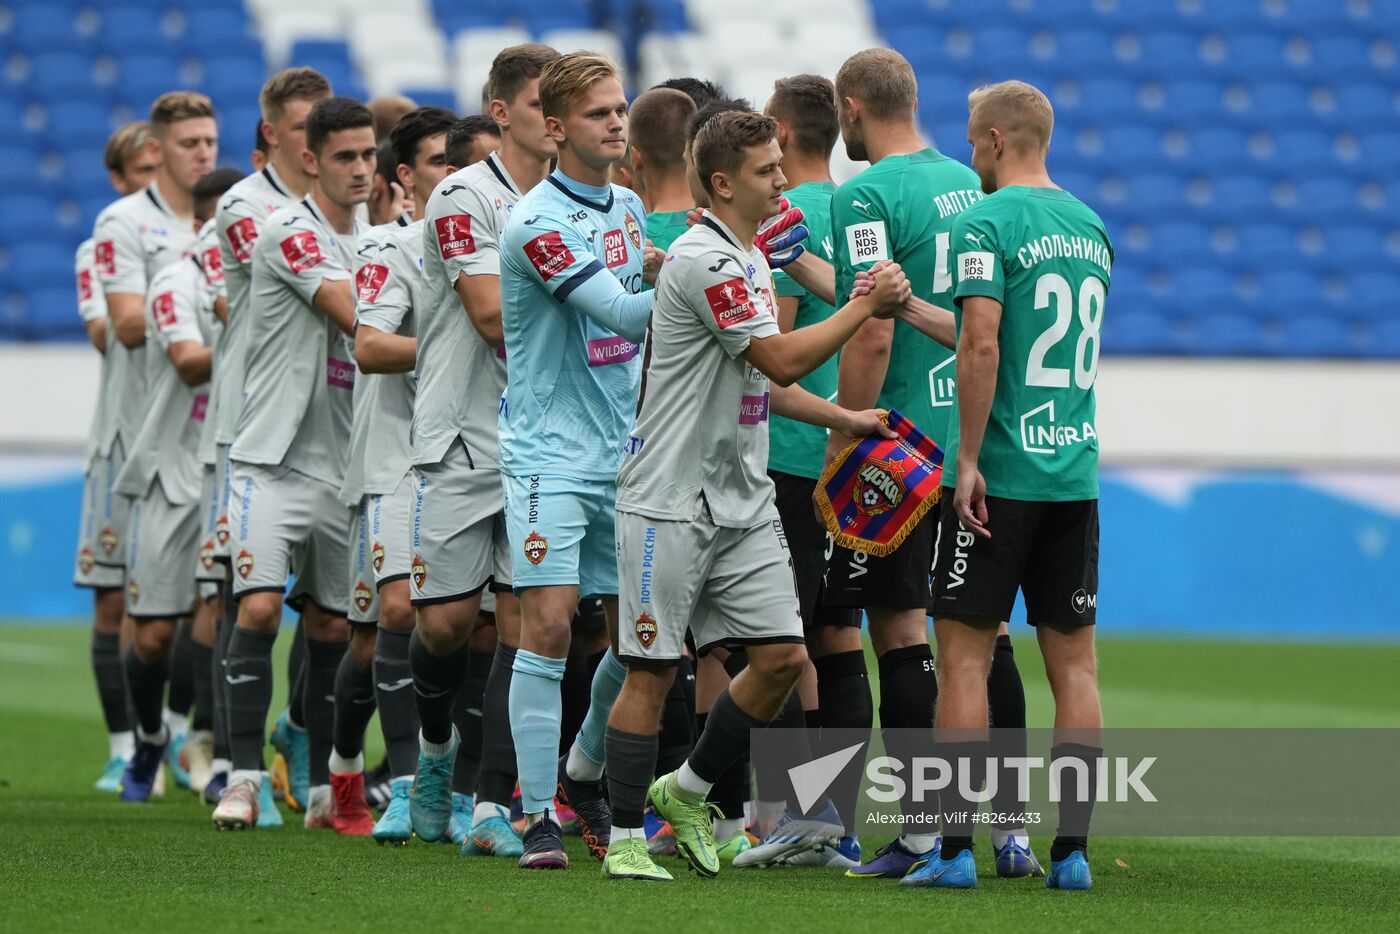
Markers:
point(78, 861)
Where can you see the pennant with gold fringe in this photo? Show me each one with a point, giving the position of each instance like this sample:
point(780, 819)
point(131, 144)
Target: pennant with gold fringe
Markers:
point(875, 492)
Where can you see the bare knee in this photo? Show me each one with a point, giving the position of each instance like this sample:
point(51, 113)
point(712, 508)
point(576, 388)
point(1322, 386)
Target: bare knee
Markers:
point(395, 614)
point(153, 639)
point(260, 612)
point(780, 663)
point(443, 627)
point(362, 640)
point(108, 608)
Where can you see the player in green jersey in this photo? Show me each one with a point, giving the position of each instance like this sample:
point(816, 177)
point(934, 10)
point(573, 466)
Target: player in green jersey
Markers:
point(1020, 503)
point(657, 137)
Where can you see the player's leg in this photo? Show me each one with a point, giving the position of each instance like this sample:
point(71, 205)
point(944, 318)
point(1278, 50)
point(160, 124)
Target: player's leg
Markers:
point(467, 716)
point(179, 701)
point(1006, 703)
point(227, 615)
point(199, 746)
point(491, 832)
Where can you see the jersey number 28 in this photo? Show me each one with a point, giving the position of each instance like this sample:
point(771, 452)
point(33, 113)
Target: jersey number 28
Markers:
point(1053, 288)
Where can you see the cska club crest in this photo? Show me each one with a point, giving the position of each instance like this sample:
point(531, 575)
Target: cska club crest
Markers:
point(646, 629)
point(536, 547)
point(107, 538)
point(879, 487)
point(206, 554)
point(244, 564)
point(376, 556)
point(363, 596)
point(221, 531)
point(634, 232)
point(86, 560)
point(419, 570)
point(133, 593)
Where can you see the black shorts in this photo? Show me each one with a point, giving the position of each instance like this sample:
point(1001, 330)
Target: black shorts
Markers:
point(898, 581)
point(589, 617)
point(807, 546)
point(1048, 551)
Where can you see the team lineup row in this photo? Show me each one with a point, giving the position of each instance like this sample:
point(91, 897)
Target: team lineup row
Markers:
point(570, 397)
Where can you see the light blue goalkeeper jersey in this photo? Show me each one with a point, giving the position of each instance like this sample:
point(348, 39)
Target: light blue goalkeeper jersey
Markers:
point(574, 314)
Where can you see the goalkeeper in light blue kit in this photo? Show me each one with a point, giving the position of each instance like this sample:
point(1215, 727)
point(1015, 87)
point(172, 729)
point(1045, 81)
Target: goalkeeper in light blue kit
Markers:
point(574, 315)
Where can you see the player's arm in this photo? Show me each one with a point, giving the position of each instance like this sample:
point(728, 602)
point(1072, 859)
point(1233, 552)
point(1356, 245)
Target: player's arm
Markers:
point(300, 262)
point(979, 355)
point(221, 309)
point(384, 301)
point(335, 300)
point(798, 404)
point(92, 306)
point(866, 357)
point(97, 334)
point(176, 329)
point(815, 275)
point(933, 322)
point(378, 352)
point(561, 261)
point(481, 299)
point(192, 360)
point(128, 321)
point(123, 277)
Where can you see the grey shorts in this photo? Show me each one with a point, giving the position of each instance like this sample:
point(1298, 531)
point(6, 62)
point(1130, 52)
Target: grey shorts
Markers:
point(207, 567)
point(730, 587)
point(223, 532)
point(163, 536)
point(283, 520)
point(458, 535)
point(379, 547)
point(101, 557)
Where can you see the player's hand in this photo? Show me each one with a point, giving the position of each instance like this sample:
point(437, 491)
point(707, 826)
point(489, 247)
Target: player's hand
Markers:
point(692, 217)
point(780, 237)
point(891, 290)
point(865, 279)
point(652, 259)
point(869, 422)
point(389, 203)
point(970, 501)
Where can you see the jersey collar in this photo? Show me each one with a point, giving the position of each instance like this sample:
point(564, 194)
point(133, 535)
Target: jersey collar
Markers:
point(156, 198)
point(600, 206)
point(275, 180)
point(498, 168)
point(718, 226)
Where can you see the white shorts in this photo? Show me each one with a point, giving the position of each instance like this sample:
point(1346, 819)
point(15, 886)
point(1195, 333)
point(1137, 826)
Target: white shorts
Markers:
point(379, 547)
point(163, 536)
point(730, 587)
point(207, 567)
point(101, 558)
point(282, 521)
point(458, 537)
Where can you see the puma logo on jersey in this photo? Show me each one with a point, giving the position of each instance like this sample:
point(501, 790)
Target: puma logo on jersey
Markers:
point(862, 205)
point(975, 239)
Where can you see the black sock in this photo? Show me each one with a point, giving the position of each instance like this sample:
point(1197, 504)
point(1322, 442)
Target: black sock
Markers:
point(908, 691)
point(731, 789)
point(677, 736)
point(1076, 797)
point(467, 715)
point(771, 771)
point(181, 672)
point(393, 692)
point(318, 700)
point(724, 740)
point(574, 695)
point(202, 666)
point(111, 680)
point(249, 680)
point(498, 769)
point(296, 677)
point(844, 702)
point(222, 634)
point(147, 685)
point(1006, 701)
point(354, 705)
point(631, 765)
point(968, 761)
point(436, 681)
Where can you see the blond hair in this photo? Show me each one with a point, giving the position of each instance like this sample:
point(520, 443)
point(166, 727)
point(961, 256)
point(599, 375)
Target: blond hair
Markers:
point(291, 84)
point(124, 144)
point(1019, 110)
point(176, 106)
point(882, 80)
point(567, 79)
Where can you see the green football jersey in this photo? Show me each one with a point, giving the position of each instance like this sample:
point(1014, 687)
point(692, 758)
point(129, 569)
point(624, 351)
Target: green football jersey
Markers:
point(1046, 257)
point(797, 447)
point(902, 208)
point(663, 227)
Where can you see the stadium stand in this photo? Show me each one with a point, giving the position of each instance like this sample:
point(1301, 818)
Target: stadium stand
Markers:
point(1243, 153)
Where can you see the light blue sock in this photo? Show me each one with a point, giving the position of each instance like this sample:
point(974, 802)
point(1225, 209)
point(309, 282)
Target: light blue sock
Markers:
point(536, 709)
point(607, 682)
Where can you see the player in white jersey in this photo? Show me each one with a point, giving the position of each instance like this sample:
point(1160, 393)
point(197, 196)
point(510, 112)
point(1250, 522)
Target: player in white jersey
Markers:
point(288, 457)
point(699, 538)
point(131, 161)
point(459, 542)
point(286, 99)
point(162, 477)
point(378, 488)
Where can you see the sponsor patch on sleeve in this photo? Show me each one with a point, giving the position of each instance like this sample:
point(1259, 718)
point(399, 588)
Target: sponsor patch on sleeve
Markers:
point(549, 255)
point(302, 251)
point(213, 265)
point(242, 234)
point(454, 233)
point(975, 265)
point(84, 285)
point(614, 248)
point(105, 255)
point(729, 302)
point(370, 280)
point(163, 309)
point(867, 243)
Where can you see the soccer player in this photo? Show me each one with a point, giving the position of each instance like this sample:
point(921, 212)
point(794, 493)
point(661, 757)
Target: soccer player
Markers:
point(379, 488)
point(459, 542)
point(388, 110)
point(656, 137)
point(288, 457)
point(1020, 497)
point(162, 478)
point(700, 541)
point(261, 150)
point(472, 139)
point(701, 92)
point(130, 161)
point(285, 100)
point(573, 315)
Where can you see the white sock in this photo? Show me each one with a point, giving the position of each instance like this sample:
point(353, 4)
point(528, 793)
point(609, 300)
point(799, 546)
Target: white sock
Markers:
point(533, 819)
point(158, 738)
point(919, 842)
point(726, 828)
point(769, 813)
point(628, 833)
point(406, 778)
point(436, 750)
point(485, 810)
point(999, 837)
point(178, 722)
point(581, 768)
point(691, 783)
point(343, 766)
point(121, 745)
point(220, 765)
point(251, 776)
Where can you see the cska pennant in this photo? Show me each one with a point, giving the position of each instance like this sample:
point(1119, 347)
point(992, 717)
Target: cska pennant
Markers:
point(877, 490)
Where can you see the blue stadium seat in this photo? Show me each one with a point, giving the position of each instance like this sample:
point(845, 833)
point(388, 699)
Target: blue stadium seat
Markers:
point(1342, 58)
point(1168, 55)
point(29, 219)
point(41, 262)
point(204, 23)
point(1363, 102)
point(1380, 150)
point(62, 76)
point(1152, 194)
point(1083, 51)
point(1223, 333)
point(432, 97)
point(123, 27)
point(76, 124)
point(1375, 294)
point(146, 77)
point(52, 313)
point(1385, 339)
point(1133, 330)
point(1279, 102)
point(1249, 56)
point(47, 27)
point(1317, 335)
point(1291, 288)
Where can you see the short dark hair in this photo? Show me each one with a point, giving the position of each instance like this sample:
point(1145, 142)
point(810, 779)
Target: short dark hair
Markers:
point(806, 105)
point(722, 141)
point(260, 141)
point(702, 92)
point(461, 137)
point(210, 188)
point(515, 67)
point(416, 126)
point(333, 115)
point(385, 166)
point(720, 105)
point(656, 126)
